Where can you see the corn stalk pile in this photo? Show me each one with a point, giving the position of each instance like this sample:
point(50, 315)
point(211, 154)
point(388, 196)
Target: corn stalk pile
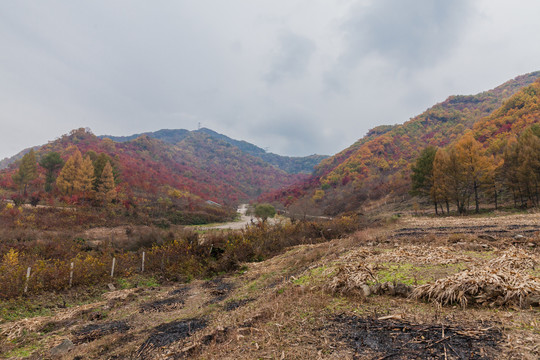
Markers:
point(485, 286)
point(440, 255)
point(349, 279)
point(514, 259)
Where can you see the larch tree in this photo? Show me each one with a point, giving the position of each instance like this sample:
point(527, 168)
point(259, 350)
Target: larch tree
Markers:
point(528, 169)
point(27, 171)
point(474, 164)
point(106, 191)
point(67, 180)
point(85, 177)
point(509, 169)
point(440, 189)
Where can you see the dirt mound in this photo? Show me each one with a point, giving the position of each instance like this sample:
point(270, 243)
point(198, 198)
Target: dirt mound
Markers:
point(169, 333)
point(93, 332)
point(398, 339)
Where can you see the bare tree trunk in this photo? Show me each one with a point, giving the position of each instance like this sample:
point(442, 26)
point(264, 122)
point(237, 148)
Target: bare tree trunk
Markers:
point(477, 206)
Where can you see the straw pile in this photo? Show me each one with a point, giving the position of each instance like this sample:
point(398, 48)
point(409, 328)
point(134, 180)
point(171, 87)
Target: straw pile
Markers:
point(493, 287)
point(440, 255)
point(514, 259)
point(350, 279)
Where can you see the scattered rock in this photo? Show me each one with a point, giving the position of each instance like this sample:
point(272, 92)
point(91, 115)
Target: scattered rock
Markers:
point(62, 349)
point(111, 287)
point(366, 291)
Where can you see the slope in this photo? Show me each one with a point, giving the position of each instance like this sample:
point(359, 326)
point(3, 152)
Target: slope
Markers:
point(379, 163)
point(292, 165)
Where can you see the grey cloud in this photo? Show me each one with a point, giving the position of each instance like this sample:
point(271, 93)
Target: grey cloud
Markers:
point(410, 34)
point(293, 58)
point(252, 70)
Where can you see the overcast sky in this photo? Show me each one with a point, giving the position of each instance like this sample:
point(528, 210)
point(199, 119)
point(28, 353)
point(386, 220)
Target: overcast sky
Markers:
point(297, 76)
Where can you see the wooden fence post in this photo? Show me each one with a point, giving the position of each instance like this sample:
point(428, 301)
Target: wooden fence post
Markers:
point(70, 274)
point(27, 279)
point(142, 264)
point(112, 267)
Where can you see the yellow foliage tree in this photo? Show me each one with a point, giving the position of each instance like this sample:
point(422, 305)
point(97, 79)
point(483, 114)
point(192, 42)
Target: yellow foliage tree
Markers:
point(67, 178)
point(440, 187)
point(85, 177)
point(106, 190)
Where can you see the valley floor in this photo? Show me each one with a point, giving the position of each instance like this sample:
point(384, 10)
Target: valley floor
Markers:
point(344, 299)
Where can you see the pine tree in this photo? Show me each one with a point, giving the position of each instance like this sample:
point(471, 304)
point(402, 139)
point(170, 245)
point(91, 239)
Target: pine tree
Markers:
point(51, 162)
point(27, 171)
point(422, 174)
point(106, 192)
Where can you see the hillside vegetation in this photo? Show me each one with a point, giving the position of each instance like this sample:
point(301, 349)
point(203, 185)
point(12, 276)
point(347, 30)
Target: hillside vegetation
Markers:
point(379, 164)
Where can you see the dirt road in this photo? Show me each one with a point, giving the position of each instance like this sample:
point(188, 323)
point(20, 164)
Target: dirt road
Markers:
point(235, 225)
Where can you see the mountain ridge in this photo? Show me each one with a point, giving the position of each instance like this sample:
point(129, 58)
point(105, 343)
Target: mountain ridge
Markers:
point(290, 164)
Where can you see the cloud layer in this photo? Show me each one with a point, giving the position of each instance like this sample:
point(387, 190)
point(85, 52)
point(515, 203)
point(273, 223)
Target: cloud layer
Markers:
point(299, 77)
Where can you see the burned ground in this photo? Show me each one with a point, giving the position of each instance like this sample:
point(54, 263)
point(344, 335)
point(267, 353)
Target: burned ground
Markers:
point(219, 288)
point(169, 333)
point(92, 332)
point(398, 339)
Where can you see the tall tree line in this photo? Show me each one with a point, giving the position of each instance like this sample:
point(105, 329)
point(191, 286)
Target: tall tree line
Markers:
point(89, 178)
point(466, 175)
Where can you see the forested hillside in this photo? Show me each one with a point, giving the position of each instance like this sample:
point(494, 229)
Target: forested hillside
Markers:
point(290, 164)
point(197, 168)
point(379, 163)
point(498, 162)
